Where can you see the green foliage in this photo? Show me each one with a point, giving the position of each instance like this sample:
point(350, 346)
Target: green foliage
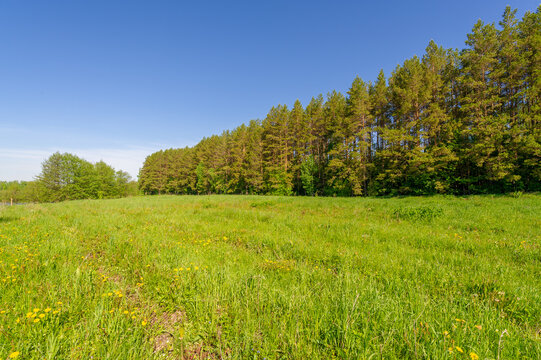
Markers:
point(308, 175)
point(449, 122)
point(264, 204)
point(201, 179)
point(18, 191)
point(278, 183)
point(423, 213)
point(517, 194)
point(68, 177)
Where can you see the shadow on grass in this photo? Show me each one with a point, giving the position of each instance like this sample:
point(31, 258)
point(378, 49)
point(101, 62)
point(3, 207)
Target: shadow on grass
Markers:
point(5, 219)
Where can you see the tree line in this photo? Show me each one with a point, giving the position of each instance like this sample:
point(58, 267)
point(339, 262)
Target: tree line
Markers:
point(454, 122)
point(68, 177)
point(17, 191)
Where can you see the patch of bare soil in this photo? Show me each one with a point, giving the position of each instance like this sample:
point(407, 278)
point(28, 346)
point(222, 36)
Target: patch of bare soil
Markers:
point(166, 324)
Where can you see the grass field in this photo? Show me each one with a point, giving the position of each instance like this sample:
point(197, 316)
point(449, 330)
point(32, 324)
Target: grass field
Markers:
point(247, 277)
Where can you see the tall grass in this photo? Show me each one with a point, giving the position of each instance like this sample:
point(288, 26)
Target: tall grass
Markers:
point(247, 277)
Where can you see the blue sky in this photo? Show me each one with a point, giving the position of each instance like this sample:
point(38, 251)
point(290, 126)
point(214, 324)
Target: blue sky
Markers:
point(117, 80)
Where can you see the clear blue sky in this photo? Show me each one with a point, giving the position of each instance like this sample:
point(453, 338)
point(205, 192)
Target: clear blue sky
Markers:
point(117, 80)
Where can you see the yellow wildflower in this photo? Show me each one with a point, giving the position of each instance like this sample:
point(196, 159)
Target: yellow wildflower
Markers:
point(459, 349)
point(478, 327)
point(36, 320)
point(47, 310)
point(143, 322)
point(42, 315)
point(36, 310)
point(474, 356)
point(14, 355)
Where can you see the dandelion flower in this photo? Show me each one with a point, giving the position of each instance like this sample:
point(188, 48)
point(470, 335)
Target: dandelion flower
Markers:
point(143, 322)
point(36, 310)
point(474, 356)
point(14, 355)
point(459, 349)
point(36, 320)
point(478, 327)
point(42, 315)
point(47, 310)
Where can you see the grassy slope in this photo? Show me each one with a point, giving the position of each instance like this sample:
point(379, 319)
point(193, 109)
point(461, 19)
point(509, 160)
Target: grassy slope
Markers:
point(272, 277)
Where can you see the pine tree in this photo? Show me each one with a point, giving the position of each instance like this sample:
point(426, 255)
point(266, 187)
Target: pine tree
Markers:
point(237, 159)
point(317, 138)
point(438, 127)
point(483, 154)
point(529, 117)
point(277, 146)
point(253, 165)
point(380, 106)
point(340, 134)
point(299, 143)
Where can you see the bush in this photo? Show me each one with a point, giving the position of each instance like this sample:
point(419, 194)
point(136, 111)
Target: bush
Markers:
point(424, 213)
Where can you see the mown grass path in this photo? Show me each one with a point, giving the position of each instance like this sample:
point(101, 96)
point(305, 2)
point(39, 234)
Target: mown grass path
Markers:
point(247, 277)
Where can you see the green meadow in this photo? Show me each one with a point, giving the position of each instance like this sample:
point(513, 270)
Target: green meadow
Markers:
point(262, 277)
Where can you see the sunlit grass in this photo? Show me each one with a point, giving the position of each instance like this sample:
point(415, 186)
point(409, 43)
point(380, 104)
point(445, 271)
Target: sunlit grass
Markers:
point(248, 277)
